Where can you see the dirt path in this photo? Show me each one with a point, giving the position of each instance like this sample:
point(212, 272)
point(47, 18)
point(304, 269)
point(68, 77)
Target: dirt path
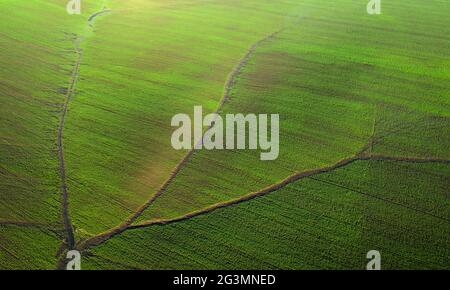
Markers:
point(271, 188)
point(229, 84)
point(382, 157)
point(232, 77)
point(93, 16)
point(70, 236)
point(70, 239)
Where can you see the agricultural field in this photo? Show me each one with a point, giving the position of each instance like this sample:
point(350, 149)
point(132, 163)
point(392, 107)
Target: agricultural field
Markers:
point(87, 164)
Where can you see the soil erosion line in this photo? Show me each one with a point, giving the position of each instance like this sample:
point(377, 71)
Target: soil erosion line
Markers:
point(62, 166)
point(70, 236)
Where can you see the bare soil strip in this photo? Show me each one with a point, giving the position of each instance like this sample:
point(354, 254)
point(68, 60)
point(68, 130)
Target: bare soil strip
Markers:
point(70, 237)
point(93, 16)
point(232, 77)
point(62, 167)
point(229, 84)
point(381, 157)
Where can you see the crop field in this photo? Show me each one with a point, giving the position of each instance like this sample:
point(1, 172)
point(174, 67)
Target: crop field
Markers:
point(87, 164)
point(335, 217)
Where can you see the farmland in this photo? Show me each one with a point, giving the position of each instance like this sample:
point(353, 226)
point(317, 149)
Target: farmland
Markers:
point(335, 217)
point(86, 160)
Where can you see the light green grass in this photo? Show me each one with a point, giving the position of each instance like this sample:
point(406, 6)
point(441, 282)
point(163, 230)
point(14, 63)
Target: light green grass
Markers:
point(35, 67)
point(144, 63)
point(336, 77)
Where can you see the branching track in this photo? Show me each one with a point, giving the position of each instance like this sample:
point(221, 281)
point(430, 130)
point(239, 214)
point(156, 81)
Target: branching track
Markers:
point(128, 223)
point(231, 81)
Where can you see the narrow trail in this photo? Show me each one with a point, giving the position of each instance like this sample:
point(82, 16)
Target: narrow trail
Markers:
point(381, 157)
point(93, 16)
point(229, 84)
point(70, 237)
point(232, 77)
point(100, 239)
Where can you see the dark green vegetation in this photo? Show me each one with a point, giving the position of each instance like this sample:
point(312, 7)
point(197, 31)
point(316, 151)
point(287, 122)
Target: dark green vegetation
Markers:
point(326, 221)
point(342, 81)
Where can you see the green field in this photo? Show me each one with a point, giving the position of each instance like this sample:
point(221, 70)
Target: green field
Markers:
point(86, 160)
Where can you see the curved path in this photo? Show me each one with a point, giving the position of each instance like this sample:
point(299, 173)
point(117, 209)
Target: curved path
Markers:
point(70, 236)
point(62, 166)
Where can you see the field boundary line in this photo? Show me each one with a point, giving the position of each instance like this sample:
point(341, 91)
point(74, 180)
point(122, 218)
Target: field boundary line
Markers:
point(411, 159)
point(269, 189)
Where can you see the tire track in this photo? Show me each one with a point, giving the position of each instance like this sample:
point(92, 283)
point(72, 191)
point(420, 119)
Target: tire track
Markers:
point(229, 84)
point(381, 157)
point(70, 237)
point(69, 231)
